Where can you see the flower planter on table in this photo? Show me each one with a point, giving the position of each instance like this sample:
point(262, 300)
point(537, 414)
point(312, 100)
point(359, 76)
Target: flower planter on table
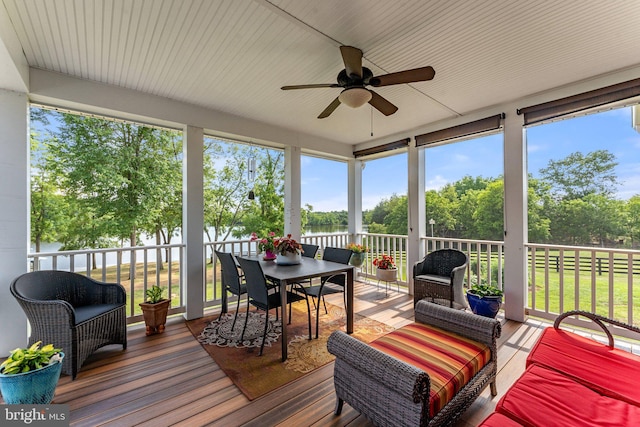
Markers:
point(289, 258)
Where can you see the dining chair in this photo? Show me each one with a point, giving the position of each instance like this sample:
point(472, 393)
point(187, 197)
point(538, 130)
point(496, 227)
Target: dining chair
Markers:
point(309, 250)
point(231, 280)
point(332, 284)
point(260, 297)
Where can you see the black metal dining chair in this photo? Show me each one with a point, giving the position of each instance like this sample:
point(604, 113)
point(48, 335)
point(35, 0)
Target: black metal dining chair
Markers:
point(260, 298)
point(231, 280)
point(309, 250)
point(329, 284)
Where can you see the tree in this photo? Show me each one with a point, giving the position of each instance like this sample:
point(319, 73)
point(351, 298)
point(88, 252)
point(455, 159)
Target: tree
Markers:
point(266, 212)
point(578, 175)
point(226, 188)
point(116, 175)
point(489, 214)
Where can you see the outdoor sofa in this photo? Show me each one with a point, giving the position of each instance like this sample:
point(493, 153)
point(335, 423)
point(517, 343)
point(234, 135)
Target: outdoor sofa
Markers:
point(423, 374)
point(571, 380)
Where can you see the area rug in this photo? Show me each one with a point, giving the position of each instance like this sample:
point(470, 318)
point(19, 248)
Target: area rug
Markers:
point(257, 375)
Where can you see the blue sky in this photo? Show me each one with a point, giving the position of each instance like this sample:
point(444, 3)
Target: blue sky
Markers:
point(325, 182)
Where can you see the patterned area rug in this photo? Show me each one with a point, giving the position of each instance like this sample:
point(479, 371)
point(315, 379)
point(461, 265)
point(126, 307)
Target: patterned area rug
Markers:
point(257, 375)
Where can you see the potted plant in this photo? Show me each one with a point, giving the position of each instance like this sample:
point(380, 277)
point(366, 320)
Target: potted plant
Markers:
point(30, 375)
point(484, 299)
point(266, 245)
point(288, 251)
point(154, 310)
point(386, 269)
point(359, 252)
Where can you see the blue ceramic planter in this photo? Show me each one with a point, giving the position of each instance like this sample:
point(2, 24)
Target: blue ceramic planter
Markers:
point(31, 388)
point(484, 306)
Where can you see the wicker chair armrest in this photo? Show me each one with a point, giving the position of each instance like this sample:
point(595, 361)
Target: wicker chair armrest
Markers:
point(418, 267)
point(48, 311)
point(478, 328)
point(458, 271)
point(598, 320)
point(405, 379)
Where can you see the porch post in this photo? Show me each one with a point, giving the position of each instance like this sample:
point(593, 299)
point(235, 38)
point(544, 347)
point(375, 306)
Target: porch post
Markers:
point(193, 221)
point(515, 218)
point(354, 202)
point(292, 192)
point(14, 215)
point(416, 210)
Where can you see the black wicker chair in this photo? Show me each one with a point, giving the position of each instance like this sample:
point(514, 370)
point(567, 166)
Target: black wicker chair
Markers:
point(231, 281)
point(72, 312)
point(439, 277)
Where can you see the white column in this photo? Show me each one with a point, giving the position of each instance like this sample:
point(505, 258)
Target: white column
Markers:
point(354, 205)
point(14, 215)
point(292, 192)
point(193, 221)
point(515, 217)
point(416, 210)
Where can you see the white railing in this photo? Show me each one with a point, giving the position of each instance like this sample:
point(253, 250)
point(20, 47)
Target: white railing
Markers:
point(561, 278)
point(114, 265)
point(599, 280)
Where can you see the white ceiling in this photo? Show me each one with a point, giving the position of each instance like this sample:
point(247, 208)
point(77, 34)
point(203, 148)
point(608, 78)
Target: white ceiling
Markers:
point(234, 55)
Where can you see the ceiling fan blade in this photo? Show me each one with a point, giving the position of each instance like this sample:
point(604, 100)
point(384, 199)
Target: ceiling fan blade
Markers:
point(352, 58)
point(381, 104)
point(330, 109)
point(407, 76)
point(311, 86)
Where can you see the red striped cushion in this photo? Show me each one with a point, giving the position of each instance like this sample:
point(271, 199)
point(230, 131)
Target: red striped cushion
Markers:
point(449, 359)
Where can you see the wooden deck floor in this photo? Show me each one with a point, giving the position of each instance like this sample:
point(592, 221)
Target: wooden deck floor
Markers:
point(169, 379)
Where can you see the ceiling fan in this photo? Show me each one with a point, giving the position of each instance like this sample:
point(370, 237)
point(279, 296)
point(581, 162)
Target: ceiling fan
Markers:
point(355, 77)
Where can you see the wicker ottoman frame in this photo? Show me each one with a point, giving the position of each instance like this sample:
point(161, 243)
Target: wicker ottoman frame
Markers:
point(390, 392)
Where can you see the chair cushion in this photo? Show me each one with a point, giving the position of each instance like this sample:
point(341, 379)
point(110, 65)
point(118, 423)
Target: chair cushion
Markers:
point(499, 420)
point(86, 312)
point(611, 372)
point(445, 280)
point(449, 359)
point(545, 397)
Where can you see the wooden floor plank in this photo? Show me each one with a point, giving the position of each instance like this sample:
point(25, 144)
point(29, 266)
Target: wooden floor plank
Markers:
point(169, 379)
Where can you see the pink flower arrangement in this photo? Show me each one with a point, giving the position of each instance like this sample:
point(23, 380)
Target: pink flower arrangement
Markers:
point(265, 243)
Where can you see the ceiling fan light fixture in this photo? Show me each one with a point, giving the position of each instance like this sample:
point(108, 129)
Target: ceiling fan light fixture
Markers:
point(355, 97)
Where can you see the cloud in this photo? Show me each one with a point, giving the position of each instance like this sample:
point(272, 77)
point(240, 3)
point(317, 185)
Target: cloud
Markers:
point(436, 183)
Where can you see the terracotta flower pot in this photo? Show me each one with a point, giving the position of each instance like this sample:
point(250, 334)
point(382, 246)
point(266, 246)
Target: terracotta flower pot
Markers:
point(155, 315)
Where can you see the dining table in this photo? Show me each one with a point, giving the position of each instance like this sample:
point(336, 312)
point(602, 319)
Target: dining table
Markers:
point(308, 268)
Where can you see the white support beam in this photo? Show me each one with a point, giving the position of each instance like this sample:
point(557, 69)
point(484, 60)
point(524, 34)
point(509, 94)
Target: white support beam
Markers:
point(14, 69)
point(416, 221)
point(292, 192)
point(193, 221)
point(14, 215)
point(515, 217)
point(354, 172)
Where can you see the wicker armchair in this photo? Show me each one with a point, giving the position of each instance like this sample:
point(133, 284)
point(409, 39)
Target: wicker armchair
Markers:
point(72, 312)
point(440, 278)
point(390, 392)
